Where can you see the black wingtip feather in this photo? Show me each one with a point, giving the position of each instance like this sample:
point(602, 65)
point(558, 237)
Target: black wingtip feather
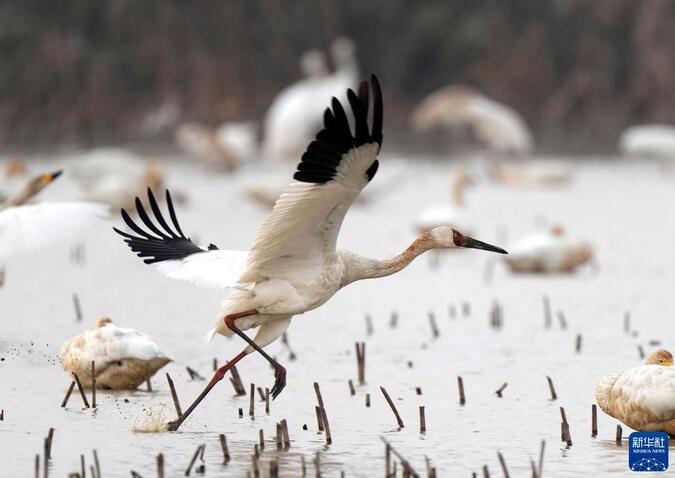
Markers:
point(169, 245)
point(320, 161)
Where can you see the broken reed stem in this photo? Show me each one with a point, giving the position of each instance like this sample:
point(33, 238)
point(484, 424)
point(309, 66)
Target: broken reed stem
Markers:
point(174, 395)
point(551, 388)
point(81, 389)
point(619, 433)
point(223, 446)
point(251, 401)
point(278, 436)
point(194, 374)
point(319, 420)
point(562, 319)
point(501, 389)
point(367, 400)
point(78, 309)
point(261, 439)
point(641, 351)
point(460, 385)
point(267, 400)
point(215, 363)
point(37, 465)
point(466, 309)
point(148, 385)
point(93, 384)
point(406, 465)
point(423, 421)
point(284, 433)
point(505, 470)
point(236, 382)
point(486, 472)
point(452, 311)
point(45, 461)
point(194, 459)
point(361, 361)
point(578, 344)
point(541, 457)
point(324, 416)
point(160, 466)
point(594, 420)
point(261, 394)
point(48, 444)
point(393, 320)
point(626, 322)
point(70, 390)
point(352, 392)
point(435, 333)
point(393, 407)
point(369, 325)
point(548, 319)
point(97, 465)
point(566, 437)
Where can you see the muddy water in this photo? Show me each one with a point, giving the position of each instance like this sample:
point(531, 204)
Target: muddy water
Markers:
point(625, 209)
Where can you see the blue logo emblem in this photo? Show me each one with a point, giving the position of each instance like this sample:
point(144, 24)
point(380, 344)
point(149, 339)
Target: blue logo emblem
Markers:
point(648, 451)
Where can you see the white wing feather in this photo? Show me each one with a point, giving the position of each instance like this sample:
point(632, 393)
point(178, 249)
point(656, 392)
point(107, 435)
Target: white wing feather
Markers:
point(27, 228)
point(217, 268)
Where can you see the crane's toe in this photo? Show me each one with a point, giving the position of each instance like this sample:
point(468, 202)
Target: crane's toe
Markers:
point(173, 426)
point(280, 382)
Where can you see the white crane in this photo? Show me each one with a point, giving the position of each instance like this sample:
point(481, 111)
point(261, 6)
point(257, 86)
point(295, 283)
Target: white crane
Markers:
point(498, 126)
point(27, 227)
point(296, 112)
point(453, 214)
point(124, 357)
point(642, 397)
point(656, 140)
point(293, 265)
point(548, 252)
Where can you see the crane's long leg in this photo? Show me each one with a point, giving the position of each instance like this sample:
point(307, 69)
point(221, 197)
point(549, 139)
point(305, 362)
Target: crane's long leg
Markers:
point(217, 377)
point(279, 370)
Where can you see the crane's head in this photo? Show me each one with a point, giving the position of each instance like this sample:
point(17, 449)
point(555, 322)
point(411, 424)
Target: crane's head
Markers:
point(447, 238)
point(660, 357)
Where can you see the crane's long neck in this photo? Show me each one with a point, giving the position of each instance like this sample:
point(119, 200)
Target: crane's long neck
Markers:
point(458, 190)
point(359, 268)
point(22, 197)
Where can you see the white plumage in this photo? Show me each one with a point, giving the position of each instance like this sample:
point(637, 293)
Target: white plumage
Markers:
point(453, 214)
point(641, 397)
point(293, 265)
point(549, 172)
point(295, 113)
point(656, 140)
point(548, 252)
point(499, 127)
point(124, 357)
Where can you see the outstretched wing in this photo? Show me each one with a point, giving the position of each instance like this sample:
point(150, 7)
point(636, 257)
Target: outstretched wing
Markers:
point(24, 229)
point(174, 254)
point(303, 227)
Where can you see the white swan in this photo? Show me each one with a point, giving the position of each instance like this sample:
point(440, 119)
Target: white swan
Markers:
point(548, 252)
point(642, 397)
point(499, 127)
point(124, 357)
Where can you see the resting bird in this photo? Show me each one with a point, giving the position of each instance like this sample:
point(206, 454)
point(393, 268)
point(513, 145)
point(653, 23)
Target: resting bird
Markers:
point(114, 176)
point(642, 397)
point(293, 265)
point(452, 214)
point(548, 252)
point(499, 127)
point(657, 140)
point(27, 227)
point(547, 172)
point(125, 358)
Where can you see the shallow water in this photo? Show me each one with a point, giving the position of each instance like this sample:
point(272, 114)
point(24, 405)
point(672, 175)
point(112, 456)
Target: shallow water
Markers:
point(623, 208)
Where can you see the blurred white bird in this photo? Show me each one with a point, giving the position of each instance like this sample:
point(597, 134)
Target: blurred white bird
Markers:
point(656, 140)
point(296, 112)
point(293, 265)
point(124, 357)
point(500, 128)
point(114, 176)
point(642, 397)
point(25, 228)
point(452, 214)
point(549, 172)
point(204, 144)
point(548, 252)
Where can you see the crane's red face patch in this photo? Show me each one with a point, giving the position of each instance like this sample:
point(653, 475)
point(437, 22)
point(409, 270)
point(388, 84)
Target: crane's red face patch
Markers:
point(457, 238)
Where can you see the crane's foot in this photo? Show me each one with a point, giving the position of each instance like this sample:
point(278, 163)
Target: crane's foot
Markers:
point(280, 382)
point(173, 426)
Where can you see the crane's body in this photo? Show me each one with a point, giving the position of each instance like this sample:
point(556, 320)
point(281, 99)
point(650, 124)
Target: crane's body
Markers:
point(293, 265)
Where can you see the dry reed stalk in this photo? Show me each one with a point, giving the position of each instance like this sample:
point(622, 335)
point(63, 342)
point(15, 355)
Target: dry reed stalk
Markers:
point(48, 448)
point(551, 388)
point(223, 446)
point(319, 420)
point(194, 459)
point(367, 400)
point(460, 385)
point(562, 320)
point(423, 421)
point(78, 308)
point(393, 407)
point(284, 433)
point(501, 389)
point(352, 392)
point(505, 470)
point(81, 389)
point(548, 319)
point(93, 384)
point(369, 325)
point(594, 420)
point(236, 381)
point(251, 401)
point(435, 333)
point(578, 344)
point(361, 361)
point(70, 390)
point(267, 400)
point(174, 395)
point(194, 374)
point(324, 416)
point(278, 437)
point(160, 466)
point(619, 433)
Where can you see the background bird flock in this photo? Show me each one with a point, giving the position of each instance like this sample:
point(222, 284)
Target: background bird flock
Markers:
point(464, 364)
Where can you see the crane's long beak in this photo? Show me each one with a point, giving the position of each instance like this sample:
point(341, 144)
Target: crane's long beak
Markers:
point(471, 243)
